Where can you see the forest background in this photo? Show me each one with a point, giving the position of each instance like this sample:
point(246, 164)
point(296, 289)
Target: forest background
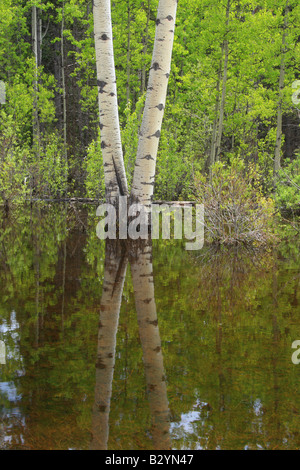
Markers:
point(231, 112)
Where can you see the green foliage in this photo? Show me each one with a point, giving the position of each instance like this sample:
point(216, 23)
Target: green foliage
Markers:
point(288, 186)
point(93, 166)
point(235, 209)
point(175, 172)
point(52, 167)
point(130, 135)
point(21, 172)
point(254, 36)
point(14, 160)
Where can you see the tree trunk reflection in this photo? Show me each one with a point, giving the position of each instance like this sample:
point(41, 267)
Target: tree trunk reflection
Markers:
point(142, 277)
point(143, 285)
point(114, 275)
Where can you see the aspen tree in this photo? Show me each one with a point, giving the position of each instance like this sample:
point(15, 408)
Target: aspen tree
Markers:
point(144, 173)
point(114, 170)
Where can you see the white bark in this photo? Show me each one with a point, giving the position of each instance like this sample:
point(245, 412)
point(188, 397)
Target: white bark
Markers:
point(144, 173)
point(114, 170)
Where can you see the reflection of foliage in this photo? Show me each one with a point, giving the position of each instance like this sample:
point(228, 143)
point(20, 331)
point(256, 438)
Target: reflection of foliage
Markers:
point(226, 319)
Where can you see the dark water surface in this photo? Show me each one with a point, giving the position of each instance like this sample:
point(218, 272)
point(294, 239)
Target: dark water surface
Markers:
point(93, 361)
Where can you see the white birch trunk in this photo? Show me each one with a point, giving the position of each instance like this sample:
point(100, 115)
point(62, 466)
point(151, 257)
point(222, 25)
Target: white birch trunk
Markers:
point(114, 170)
point(144, 173)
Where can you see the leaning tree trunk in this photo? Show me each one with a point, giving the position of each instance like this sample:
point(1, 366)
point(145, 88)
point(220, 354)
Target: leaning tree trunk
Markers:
point(278, 144)
point(114, 170)
point(143, 286)
point(144, 173)
point(114, 276)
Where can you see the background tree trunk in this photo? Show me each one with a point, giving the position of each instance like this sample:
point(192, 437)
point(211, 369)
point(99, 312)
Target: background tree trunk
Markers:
point(277, 159)
point(225, 52)
point(63, 76)
point(222, 106)
point(35, 48)
point(215, 124)
point(128, 51)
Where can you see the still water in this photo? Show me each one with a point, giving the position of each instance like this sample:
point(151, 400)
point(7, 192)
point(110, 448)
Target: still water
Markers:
point(154, 347)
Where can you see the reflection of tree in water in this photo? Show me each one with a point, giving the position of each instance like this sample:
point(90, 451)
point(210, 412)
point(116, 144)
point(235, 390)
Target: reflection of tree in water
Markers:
point(143, 285)
point(116, 260)
point(114, 276)
point(245, 297)
point(230, 273)
point(227, 322)
point(229, 276)
point(29, 251)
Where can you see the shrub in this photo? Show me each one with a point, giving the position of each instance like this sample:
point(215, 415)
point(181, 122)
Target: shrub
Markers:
point(130, 136)
point(13, 161)
point(52, 167)
point(93, 166)
point(235, 209)
point(174, 172)
point(288, 187)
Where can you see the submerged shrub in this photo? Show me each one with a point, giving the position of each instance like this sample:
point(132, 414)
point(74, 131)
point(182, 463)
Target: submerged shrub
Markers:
point(235, 209)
